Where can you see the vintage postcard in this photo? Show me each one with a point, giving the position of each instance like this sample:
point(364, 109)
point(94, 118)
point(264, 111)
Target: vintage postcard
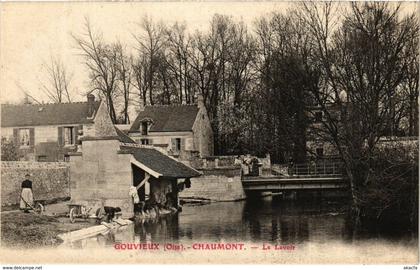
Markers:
point(198, 132)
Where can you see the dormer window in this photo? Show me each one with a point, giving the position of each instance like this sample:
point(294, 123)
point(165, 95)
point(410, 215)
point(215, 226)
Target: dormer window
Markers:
point(144, 127)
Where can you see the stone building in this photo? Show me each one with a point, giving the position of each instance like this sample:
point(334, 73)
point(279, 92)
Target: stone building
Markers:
point(47, 132)
point(110, 164)
point(178, 129)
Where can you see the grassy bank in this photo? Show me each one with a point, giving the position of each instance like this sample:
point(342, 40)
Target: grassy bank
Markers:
point(29, 230)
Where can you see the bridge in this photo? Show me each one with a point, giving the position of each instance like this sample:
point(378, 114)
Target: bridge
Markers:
point(316, 176)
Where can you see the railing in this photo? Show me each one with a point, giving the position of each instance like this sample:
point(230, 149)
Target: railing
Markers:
point(316, 168)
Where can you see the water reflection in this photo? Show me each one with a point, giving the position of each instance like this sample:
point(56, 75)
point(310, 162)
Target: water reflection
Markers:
point(260, 221)
point(272, 221)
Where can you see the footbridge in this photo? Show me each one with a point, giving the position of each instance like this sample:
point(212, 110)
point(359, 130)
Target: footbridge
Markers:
point(315, 176)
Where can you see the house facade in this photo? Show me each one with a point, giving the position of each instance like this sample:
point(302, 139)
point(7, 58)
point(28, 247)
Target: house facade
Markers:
point(47, 132)
point(110, 165)
point(315, 144)
point(178, 129)
point(320, 147)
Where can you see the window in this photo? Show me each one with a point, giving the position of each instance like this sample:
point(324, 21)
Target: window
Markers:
point(69, 136)
point(24, 137)
point(144, 128)
point(42, 158)
point(319, 151)
point(176, 144)
point(318, 117)
point(144, 141)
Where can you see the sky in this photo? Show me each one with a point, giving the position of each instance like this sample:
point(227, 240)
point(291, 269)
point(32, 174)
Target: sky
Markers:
point(32, 32)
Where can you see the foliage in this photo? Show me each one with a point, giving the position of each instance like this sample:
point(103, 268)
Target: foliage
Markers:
point(9, 150)
point(390, 187)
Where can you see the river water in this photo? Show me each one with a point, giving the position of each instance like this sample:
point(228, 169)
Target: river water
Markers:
point(302, 223)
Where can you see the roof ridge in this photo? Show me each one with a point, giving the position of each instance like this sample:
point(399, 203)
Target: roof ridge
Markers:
point(46, 114)
point(48, 104)
point(170, 105)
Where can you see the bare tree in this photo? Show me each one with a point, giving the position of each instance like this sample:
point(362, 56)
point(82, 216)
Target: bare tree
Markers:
point(410, 86)
point(362, 67)
point(140, 68)
point(57, 87)
point(28, 97)
point(178, 53)
point(150, 46)
point(124, 77)
point(101, 60)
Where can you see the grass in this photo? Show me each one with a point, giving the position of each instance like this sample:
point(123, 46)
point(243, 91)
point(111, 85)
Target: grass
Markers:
point(30, 230)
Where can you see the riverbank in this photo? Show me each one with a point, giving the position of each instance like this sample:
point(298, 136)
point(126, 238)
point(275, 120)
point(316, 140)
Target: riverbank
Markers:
point(318, 232)
point(29, 230)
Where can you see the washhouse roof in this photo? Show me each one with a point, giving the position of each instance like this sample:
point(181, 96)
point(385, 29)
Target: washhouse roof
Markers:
point(160, 165)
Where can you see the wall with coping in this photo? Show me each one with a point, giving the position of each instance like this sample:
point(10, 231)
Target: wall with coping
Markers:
point(50, 180)
point(217, 184)
point(221, 178)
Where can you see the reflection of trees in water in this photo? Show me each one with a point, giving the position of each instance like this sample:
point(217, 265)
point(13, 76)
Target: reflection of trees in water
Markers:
point(213, 222)
point(163, 229)
point(282, 221)
point(273, 221)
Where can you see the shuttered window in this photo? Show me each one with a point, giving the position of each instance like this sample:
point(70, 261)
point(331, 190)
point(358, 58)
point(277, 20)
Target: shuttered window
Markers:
point(60, 136)
point(24, 136)
point(177, 144)
point(69, 136)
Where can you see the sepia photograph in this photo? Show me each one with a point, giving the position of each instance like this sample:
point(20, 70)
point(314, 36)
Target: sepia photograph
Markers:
point(209, 132)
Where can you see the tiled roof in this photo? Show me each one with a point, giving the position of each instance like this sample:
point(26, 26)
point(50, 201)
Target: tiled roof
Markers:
point(162, 164)
point(167, 118)
point(123, 137)
point(46, 114)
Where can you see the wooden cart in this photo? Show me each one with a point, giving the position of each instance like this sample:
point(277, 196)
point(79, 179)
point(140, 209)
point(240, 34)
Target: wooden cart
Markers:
point(78, 211)
point(37, 206)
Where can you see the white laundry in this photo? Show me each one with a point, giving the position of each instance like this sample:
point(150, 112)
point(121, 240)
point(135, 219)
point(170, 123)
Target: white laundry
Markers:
point(133, 193)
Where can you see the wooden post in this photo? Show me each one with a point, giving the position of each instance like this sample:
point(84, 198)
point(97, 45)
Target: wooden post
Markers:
point(146, 177)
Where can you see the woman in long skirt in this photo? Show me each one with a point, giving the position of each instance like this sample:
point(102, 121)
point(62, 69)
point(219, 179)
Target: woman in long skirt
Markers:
point(26, 196)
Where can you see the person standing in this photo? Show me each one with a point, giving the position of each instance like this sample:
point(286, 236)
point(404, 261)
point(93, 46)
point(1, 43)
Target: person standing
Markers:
point(26, 196)
point(291, 166)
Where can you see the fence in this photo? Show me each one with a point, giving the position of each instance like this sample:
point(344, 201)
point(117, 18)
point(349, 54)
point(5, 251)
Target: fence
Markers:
point(317, 168)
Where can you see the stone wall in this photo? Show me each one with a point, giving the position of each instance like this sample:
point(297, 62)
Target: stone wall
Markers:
point(222, 177)
point(217, 184)
point(101, 177)
point(50, 180)
point(203, 133)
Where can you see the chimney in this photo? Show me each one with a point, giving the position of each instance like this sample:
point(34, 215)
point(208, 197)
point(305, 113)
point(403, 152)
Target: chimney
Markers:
point(91, 104)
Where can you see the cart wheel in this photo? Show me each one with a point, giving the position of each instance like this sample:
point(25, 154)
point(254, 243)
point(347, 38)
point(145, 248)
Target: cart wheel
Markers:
point(39, 208)
point(72, 215)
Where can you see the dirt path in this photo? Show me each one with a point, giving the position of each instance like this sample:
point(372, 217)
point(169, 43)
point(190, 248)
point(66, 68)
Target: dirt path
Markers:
point(30, 230)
